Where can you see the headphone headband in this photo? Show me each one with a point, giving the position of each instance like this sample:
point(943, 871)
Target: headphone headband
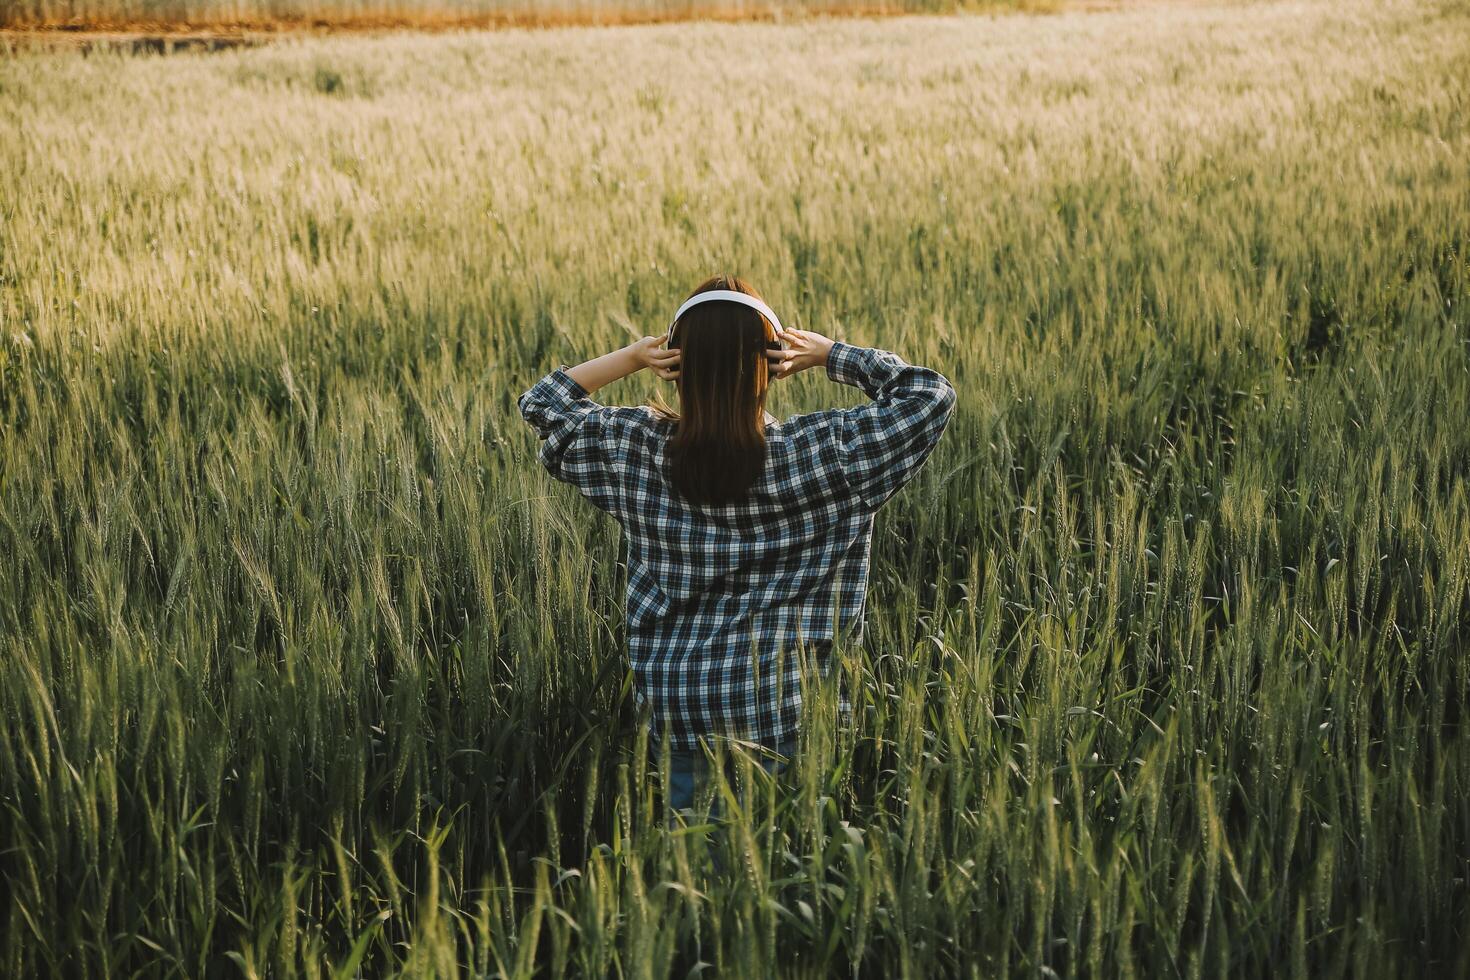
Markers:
point(729, 295)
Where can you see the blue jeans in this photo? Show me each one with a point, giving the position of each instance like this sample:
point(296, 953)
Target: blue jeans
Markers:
point(685, 765)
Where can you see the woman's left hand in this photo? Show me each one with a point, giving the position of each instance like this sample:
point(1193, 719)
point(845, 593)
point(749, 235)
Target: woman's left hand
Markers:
point(651, 353)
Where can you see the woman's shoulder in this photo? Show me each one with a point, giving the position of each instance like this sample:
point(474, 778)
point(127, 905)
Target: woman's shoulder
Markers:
point(638, 421)
point(637, 415)
point(809, 424)
point(802, 440)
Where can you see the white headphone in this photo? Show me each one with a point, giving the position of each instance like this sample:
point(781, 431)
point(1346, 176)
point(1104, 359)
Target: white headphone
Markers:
point(733, 296)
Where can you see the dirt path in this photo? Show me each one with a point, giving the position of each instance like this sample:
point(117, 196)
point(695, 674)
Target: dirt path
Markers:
point(167, 37)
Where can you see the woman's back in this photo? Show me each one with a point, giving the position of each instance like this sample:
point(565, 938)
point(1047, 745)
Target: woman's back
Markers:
point(720, 595)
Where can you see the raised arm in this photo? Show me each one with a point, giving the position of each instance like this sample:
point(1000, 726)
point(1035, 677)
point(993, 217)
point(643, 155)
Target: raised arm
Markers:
point(607, 368)
point(577, 431)
point(882, 444)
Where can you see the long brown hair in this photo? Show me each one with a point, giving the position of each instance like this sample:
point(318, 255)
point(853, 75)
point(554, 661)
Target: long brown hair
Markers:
point(718, 447)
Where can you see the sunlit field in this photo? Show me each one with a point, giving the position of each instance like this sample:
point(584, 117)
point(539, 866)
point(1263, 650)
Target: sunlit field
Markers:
point(306, 666)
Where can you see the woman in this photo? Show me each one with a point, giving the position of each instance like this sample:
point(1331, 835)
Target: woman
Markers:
point(748, 538)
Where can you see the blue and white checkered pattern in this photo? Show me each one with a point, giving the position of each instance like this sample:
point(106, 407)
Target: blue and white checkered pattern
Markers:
point(720, 597)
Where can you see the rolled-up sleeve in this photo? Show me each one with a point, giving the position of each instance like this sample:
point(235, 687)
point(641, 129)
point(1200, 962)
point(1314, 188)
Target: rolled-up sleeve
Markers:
point(882, 444)
point(577, 436)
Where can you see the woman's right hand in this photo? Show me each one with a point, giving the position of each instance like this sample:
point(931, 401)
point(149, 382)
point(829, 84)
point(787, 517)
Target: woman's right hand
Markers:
point(805, 349)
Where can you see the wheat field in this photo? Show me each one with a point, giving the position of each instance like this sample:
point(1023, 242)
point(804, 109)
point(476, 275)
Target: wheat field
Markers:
point(307, 668)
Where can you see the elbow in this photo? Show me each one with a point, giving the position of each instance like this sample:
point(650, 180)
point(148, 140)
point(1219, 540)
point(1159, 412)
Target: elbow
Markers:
point(944, 396)
point(526, 405)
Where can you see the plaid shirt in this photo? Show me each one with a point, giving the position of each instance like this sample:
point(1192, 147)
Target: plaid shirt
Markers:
point(720, 597)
